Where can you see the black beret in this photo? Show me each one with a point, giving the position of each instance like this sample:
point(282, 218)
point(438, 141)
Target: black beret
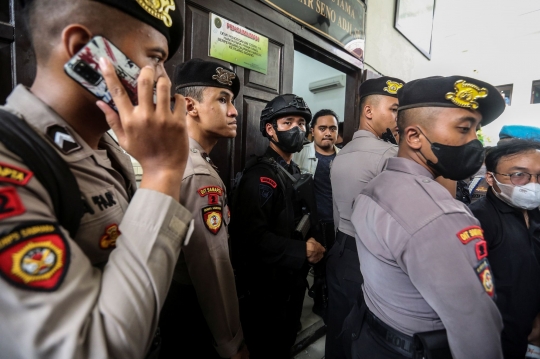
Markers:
point(164, 17)
point(385, 85)
point(453, 91)
point(198, 72)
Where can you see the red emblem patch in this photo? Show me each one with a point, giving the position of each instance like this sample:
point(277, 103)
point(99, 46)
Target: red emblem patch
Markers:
point(35, 257)
point(483, 270)
point(15, 175)
point(213, 193)
point(10, 203)
point(481, 249)
point(269, 181)
point(108, 240)
point(212, 218)
point(468, 234)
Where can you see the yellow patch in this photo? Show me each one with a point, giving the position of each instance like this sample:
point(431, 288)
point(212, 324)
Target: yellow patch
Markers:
point(466, 94)
point(159, 9)
point(392, 87)
point(468, 234)
point(37, 261)
point(108, 240)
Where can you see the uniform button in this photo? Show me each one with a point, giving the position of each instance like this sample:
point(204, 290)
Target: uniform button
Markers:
point(194, 150)
point(425, 181)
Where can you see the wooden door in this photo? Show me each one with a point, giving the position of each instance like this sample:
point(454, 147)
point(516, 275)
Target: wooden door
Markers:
point(256, 88)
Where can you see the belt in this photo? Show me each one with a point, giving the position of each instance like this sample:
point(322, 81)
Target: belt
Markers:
point(397, 341)
point(350, 242)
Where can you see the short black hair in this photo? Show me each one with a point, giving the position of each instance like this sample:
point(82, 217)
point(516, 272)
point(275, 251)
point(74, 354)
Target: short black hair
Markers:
point(324, 112)
point(509, 148)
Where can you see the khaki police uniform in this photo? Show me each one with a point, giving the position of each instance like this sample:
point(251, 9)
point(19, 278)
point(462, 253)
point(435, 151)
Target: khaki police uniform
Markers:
point(422, 255)
point(203, 278)
point(97, 295)
point(354, 166)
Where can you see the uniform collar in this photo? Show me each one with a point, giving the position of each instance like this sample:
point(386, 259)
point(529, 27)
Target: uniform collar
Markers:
point(273, 154)
point(400, 164)
point(194, 144)
point(365, 133)
point(40, 116)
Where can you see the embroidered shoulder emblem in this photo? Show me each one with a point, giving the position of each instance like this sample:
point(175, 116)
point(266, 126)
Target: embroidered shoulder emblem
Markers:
point(269, 181)
point(34, 256)
point(223, 76)
point(10, 203)
point(392, 87)
point(466, 94)
point(212, 218)
point(159, 9)
point(483, 270)
point(213, 193)
point(468, 234)
point(15, 175)
point(62, 139)
point(108, 239)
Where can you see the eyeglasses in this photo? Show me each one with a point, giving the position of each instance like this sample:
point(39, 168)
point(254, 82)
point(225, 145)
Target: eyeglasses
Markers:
point(520, 178)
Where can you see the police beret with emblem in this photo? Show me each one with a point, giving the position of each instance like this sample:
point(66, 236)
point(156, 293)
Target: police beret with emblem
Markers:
point(387, 86)
point(453, 91)
point(162, 15)
point(198, 72)
point(283, 105)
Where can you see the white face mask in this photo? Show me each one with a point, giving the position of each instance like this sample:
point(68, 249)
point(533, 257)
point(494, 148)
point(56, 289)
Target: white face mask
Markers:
point(524, 197)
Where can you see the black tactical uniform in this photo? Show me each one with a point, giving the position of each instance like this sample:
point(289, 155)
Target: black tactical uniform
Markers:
point(270, 262)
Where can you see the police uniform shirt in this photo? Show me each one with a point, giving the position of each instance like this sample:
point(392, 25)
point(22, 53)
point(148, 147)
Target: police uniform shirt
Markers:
point(354, 166)
point(205, 262)
point(261, 206)
point(422, 256)
point(514, 253)
point(53, 293)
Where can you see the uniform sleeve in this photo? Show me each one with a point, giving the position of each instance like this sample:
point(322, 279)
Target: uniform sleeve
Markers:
point(258, 202)
point(441, 261)
point(209, 265)
point(57, 304)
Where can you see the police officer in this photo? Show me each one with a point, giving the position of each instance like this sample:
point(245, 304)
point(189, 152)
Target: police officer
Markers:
point(271, 260)
point(422, 253)
point(58, 297)
point(360, 160)
point(201, 311)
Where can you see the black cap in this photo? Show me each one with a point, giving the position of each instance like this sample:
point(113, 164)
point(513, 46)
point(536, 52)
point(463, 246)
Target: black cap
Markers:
point(387, 86)
point(198, 72)
point(283, 105)
point(453, 91)
point(164, 16)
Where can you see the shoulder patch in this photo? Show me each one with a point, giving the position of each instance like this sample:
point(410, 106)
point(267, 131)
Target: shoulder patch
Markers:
point(60, 136)
point(483, 270)
point(265, 193)
point(15, 175)
point(213, 193)
point(34, 256)
point(212, 218)
point(108, 239)
point(468, 234)
point(10, 203)
point(269, 181)
point(481, 250)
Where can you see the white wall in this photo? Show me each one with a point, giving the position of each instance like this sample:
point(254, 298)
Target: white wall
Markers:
point(307, 70)
point(387, 51)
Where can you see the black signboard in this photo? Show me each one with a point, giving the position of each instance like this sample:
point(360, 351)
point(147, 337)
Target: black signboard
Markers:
point(342, 21)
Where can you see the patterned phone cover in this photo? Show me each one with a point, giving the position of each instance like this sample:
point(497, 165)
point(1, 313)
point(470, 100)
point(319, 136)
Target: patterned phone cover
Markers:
point(84, 68)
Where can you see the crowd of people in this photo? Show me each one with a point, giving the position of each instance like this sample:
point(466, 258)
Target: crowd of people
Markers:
point(422, 244)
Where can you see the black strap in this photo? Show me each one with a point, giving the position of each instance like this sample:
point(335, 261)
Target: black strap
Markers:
point(48, 167)
point(397, 341)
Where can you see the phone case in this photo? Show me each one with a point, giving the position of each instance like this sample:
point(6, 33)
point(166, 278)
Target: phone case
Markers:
point(84, 69)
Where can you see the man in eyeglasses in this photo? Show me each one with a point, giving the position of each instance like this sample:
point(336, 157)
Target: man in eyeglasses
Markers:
point(510, 219)
point(270, 257)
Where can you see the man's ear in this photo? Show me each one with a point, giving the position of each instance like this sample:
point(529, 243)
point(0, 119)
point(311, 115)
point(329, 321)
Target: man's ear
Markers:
point(270, 131)
point(191, 107)
point(411, 135)
point(74, 38)
point(489, 179)
point(368, 111)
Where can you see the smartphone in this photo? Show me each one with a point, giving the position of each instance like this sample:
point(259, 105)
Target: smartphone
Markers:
point(84, 69)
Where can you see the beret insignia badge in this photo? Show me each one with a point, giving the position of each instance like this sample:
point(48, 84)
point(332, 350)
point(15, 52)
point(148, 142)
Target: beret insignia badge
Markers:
point(223, 76)
point(392, 87)
point(159, 9)
point(466, 94)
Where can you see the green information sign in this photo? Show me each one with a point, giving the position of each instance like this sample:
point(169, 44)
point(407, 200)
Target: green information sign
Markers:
point(238, 45)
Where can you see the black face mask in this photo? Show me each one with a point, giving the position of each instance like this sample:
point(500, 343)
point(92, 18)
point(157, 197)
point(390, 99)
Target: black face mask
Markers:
point(290, 141)
point(457, 162)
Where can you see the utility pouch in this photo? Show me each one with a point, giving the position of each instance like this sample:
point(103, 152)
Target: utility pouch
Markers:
point(431, 345)
point(302, 228)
